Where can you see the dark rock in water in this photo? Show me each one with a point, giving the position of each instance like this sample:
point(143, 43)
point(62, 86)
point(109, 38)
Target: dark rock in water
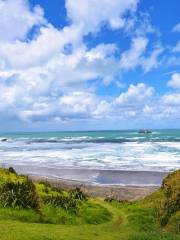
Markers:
point(4, 140)
point(144, 131)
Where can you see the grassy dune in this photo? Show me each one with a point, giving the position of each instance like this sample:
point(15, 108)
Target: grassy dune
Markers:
point(70, 215)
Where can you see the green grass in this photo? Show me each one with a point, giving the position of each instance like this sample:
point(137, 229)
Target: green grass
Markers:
point(94, 218)
point(22, 215)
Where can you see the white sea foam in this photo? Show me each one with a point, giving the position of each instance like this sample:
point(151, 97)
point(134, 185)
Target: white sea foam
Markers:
point(133, 155)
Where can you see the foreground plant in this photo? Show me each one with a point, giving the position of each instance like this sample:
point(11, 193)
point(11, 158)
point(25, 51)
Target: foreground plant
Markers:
point(19, 194)
point(171, 202)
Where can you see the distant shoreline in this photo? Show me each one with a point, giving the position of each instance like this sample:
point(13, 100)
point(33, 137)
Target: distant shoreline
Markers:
point(93, 130)
point(123, 193)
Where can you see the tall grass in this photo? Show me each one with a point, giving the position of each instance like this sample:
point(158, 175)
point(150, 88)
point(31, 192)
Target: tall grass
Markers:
point(171, 201)
point(19, 194)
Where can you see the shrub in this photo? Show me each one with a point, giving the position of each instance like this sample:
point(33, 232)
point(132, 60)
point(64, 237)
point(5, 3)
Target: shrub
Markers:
point(111, 199)
point(62, 201)
point(171, 203)
point(19, 194)
point(69, 202)
point(11, 170)
point(78, 194)
point(46, 187)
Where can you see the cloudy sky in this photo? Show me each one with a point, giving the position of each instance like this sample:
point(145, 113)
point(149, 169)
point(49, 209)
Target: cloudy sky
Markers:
point(88, 64)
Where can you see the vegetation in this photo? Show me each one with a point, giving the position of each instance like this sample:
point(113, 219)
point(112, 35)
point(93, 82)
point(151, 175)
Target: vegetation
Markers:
point(170, 205)
point(32, 211)
point(19, 194)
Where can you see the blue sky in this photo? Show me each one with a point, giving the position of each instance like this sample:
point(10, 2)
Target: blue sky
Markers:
point(87, 64)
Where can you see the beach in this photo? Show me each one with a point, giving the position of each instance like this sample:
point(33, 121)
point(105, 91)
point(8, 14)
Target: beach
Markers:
point(117, 192)
point(122, 164)
point(119, 185)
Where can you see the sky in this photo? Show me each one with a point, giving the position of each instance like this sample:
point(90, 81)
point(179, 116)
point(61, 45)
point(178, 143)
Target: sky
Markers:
point(89, 65)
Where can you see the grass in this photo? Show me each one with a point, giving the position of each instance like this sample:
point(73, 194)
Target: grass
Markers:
point(94, 218)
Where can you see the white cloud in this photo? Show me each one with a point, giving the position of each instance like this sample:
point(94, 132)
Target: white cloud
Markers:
point(41, 80)
point(173, 61)
point(102, 109)
point(176, 28)
point(169, 106)
point(171, 99)
point(75, 105)
point(58, 70)
point(20, 55)
point(152, 61)
point(86, 105)
point(132, 57)
point(177, 47)
point(17, 19)
point(140, 25)
point(135, 94)
point(174, 82)
point(91, 14)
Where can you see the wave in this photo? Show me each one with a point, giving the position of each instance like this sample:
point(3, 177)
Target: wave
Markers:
point(95, 140)
point(130, 154)
point(99, 140)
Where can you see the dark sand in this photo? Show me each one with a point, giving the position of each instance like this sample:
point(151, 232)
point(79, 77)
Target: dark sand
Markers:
point(121, 185)
point(129, 193)
point(96, 176)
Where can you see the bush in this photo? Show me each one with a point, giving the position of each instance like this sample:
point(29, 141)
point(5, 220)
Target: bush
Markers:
point(62, 201)
point(171, 203)
point(111, 199)
point(68, 202)
point(78, 194)
point(19, 194)
point(11, 170)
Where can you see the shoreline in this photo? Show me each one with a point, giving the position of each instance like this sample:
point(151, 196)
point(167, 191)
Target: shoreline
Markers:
point(127, 193)
point(116, 184)
point(96, 176)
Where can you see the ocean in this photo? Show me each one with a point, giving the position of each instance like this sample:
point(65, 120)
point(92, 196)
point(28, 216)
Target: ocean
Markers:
point(158, 151)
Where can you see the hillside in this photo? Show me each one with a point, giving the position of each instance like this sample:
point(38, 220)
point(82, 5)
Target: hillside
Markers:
point(37, 211)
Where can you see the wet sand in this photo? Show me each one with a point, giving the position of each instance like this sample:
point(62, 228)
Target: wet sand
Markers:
point(130, 193)
point(121, 185)
point(96, 176)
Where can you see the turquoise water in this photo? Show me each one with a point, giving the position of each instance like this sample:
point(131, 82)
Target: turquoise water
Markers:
point(119, 150)
point(162, 135)
point(106, 136)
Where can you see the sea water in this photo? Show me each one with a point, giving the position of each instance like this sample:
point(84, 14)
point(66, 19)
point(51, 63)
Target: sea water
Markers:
point(110, 150)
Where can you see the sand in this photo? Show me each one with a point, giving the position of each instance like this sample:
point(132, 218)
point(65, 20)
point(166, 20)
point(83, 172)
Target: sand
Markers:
point(117, 184)
point(129, 193)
